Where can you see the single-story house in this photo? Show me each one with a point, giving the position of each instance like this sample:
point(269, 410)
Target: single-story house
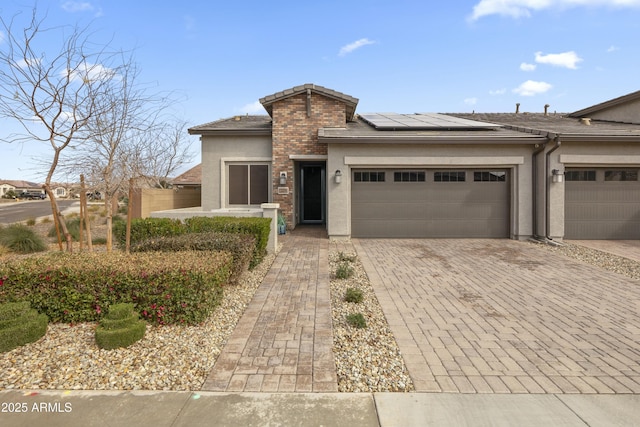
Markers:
point(18, 186)
point(519, 175)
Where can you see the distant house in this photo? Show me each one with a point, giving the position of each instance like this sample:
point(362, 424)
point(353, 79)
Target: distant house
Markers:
point(18, 186)
point(554, 176)
point(189, 179)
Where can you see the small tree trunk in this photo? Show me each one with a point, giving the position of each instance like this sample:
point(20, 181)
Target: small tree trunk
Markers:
point(59, 219)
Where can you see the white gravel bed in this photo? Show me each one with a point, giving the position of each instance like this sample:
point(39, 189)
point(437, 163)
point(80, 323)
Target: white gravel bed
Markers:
point(604, 260)
point(167, 358)
point(367, 359)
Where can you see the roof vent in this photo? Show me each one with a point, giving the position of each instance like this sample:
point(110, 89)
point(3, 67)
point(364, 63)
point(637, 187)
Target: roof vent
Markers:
point(546, 109)
point(517, 107)
point(585, 121)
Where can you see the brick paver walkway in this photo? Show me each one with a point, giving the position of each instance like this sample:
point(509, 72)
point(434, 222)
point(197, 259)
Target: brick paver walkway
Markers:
point(501, 316)
point(283, 342)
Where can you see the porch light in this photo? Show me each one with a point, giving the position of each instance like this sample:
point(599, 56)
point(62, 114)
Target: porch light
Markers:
point(557, 175)
point(283, 178)
point(338, 176)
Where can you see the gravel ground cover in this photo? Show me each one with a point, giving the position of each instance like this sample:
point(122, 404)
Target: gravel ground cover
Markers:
point(167, 358)
point(367, 359)
point(604, 260)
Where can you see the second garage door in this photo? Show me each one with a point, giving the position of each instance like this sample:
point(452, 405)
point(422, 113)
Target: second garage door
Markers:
point(602, 203)
point(430, 203)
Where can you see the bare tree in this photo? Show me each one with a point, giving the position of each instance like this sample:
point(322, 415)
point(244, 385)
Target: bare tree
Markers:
point(53, 95)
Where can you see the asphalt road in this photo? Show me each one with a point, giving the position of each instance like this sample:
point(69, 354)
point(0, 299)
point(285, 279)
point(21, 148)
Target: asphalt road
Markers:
point(11, 212)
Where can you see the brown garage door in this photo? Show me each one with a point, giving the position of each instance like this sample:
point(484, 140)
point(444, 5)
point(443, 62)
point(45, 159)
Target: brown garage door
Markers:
point(430, 203)
point(602, 203)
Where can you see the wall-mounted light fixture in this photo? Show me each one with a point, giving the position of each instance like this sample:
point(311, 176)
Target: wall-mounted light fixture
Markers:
point(338, 176)
point(557, 175)
point(283, 178)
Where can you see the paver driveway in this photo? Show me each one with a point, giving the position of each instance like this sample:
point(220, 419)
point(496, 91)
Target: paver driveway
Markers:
point(501, 316)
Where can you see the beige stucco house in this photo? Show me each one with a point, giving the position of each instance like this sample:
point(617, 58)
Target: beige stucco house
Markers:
point(429, 175)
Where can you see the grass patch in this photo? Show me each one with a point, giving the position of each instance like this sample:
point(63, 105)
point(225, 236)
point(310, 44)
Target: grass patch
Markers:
point(344, 271)
point(353, 295)
point(21, 239)
point(356, 320)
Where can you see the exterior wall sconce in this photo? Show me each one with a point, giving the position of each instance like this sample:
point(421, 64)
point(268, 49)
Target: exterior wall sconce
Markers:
point(283, 178)
point(338, 176)
point(557, 175)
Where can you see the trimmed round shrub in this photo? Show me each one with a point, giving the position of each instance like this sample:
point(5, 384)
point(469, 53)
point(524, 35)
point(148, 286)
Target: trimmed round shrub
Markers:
point(121, 327)
point(20, 325)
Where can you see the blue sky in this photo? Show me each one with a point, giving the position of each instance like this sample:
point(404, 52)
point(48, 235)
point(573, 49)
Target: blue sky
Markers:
point(395, 56)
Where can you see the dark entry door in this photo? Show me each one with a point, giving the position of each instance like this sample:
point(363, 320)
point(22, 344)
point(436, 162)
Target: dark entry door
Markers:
point(312, 193)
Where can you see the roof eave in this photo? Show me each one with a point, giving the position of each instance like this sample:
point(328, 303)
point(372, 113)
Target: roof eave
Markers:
point(229, 132)
point(440, 139)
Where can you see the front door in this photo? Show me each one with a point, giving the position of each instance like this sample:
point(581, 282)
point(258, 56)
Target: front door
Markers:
point(312, 193)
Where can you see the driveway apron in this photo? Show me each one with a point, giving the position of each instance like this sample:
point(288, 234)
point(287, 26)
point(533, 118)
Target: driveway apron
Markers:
point(502, 316)
point(283, 341)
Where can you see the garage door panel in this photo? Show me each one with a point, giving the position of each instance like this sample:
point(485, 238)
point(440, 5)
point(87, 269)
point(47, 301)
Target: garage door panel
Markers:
point(430, 209)
point(602, 209)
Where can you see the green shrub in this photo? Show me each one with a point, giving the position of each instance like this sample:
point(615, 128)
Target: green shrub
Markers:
point(257, 227)
point(147, 228)
point(73, 227)
point(240, 246)
point(99, 240)
point(353, 295)
point(344, 271)
point(121, 327)
point(31, 222)
point(20, 325)
point(182, 288)
point(20, 238)
point(356, 320)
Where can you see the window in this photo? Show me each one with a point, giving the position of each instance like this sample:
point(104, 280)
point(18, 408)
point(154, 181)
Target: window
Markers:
point(248, 184)
point(621, 175)
point(409, 176)
point(490, 176)
point(449, 176)
point(580, 175)
point(368, 176)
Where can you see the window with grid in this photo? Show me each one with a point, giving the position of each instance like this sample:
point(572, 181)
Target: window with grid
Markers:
point(489, 176)
point(586, 175)
point(621, 175)
point(449, 176)
point(409, 176)
point(368, 176)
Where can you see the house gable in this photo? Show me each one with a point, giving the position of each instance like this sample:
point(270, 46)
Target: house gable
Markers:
point(624, 109)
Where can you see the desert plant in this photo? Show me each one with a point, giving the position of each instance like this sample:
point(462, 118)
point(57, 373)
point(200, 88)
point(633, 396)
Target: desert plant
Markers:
point(20, 325)
point(73, 226)
point(20, 238)
point(121, 327)
point(342, 257)
point(356, 320)
point(31, 222)
point(344, 271)
point(353, 295)
point(45, 220)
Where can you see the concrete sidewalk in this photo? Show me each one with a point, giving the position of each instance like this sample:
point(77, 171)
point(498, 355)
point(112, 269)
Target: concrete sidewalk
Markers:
point(130, 408)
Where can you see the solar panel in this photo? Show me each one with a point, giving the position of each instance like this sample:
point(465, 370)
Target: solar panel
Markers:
point(423, 121)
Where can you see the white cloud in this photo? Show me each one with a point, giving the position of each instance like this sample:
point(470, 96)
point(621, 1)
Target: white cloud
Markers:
point(77, 6)
point(344, 50)
point(91, 72)
point(253, 108)
point(497, 92)
point(565, 59)
point(527, 67)
point(524, 8)
point(611, 48)
point(531, 88)
point(471, 101)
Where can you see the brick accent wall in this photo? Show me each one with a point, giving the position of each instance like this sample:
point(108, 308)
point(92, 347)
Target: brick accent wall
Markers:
point(295, 133)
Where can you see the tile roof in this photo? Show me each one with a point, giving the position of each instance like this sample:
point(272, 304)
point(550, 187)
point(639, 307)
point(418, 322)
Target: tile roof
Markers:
point(191, 177)
point(255, 123)
point(20, 183)
point(349, 101)
point(556, 124)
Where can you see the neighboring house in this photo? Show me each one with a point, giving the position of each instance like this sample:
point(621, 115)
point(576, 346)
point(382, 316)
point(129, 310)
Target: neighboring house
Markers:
point(429, 175)
point(18, 186)
point(189, 179)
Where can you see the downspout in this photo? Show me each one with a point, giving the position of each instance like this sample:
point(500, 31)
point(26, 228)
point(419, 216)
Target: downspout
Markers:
point(534, 187)
point(547, 167)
